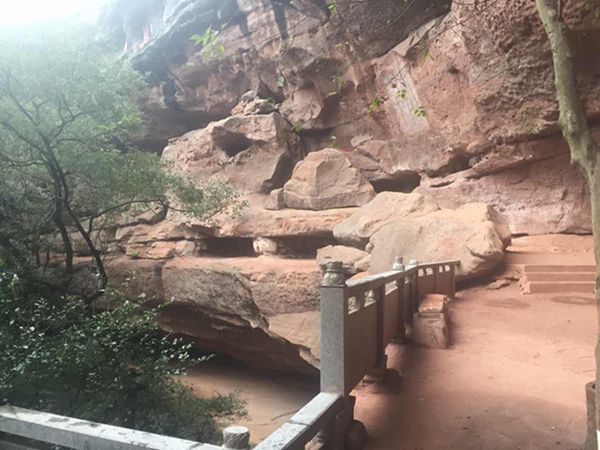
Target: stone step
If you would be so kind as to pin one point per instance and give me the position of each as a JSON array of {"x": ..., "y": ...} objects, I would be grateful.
[
  {"x": 561, "y": 276},
  {"x": 554, "y": 268},
  {"x": 540, "y": 287}
]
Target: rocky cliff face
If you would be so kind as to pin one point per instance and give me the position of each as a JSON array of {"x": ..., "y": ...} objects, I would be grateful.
[{"x": 310, "y": 108}]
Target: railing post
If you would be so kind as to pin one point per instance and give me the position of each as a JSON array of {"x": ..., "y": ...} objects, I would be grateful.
[
  {"x": 414, "y": 288},
  {"x": 334, "y": 351},
  {"x": 381, "y": 359},
  {"x": 402, "y": 301},
  {"x": 333, "y": 330},
  {"x": 452, "y": 281},
  {"x": 236, "y": 438}
]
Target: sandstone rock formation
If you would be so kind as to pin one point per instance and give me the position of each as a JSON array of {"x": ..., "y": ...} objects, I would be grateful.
[
  {"x": 549, "y": 196},
  {"x": 385, "y": 207},
  {"x": 482, "y": 106},
  {"x": 471, "y": 234},
  {"x": 255, "y": 153},
  {"x": 326, "y": 180},
  {"x": 353, "y": 260},
  {"x": 224, "y": 305},
  {"x": 433, "y": 105}
]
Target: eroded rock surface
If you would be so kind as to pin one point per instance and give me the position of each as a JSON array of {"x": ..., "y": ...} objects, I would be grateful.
[
  {"x": 326, "y": 180},
  {"x": 472, "y": 234},
  {"x": 431, "y": 106},
  {"x": 255, "y": 153},
  {"x": 385, "y": 207},
  {"x": 223, "y": 305},
  {"x": 549, "y": 196},
  {"x": 353, "y": 260}
]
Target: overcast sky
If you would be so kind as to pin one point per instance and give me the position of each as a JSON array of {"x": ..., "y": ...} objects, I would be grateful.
[{"x": 16, "y": 12}]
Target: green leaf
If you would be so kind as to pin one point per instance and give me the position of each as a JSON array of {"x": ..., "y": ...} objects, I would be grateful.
[
  {"x": 420, "y": 111},
  {"x": 332, "y": 9}
]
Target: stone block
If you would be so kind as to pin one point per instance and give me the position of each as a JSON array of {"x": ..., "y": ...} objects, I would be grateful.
[
  {"x": 275, "y": 200},
  {"x": 265, "y": 246},
  {"x": 236, "y": 438},
  {"x": 185, "y": 248},
  {"x": 433, "y": 304},
  {"x": 430, "y": 330}
]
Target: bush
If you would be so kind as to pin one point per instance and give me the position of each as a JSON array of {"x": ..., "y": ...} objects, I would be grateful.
[{"x": 113, "y": 366}]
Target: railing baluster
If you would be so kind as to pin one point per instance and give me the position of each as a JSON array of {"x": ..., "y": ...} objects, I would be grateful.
[
  {"x": 236, "y": 438},
  {"x": 414, "y": 288},
  {"x": 400, "y": 286},
  {"x": 333, "y": 330},
  {"x": 380, "y": 305}
]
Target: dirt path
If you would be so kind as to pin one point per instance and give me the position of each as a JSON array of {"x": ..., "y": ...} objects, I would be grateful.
[
  {"x": 271, "y": 398},
  {"x": 513, "y": 379}
]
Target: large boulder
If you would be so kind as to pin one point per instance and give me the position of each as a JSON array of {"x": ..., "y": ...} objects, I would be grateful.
[
  {"x": 392, "y": 165},
  {"x": 386, "y": 206},
  {"x": 326, "y": 180},
  {"x": 472, "y": 234},
  {"x": 277, "y": 287},
  {"x": 548, "y": 196},
  {"x": 353, "y": 260},
  {"x": 219, "y": 306},
  {"x": 256, "y": 221},
  {"x": 255, "y": 153}
]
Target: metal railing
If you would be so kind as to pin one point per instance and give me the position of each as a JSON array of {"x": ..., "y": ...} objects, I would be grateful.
[{"x": 359, "y": 318}]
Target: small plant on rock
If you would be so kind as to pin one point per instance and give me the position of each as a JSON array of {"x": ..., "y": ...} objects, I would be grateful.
[
  {"x": 211, "y": 48},
  {"x": 374, "y": 105}
]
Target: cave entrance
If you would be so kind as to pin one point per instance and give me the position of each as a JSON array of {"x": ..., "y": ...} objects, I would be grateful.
[
  {"x": 231, "y": 143},
  {"x": 229, "y": 247},
  {"x": 405, "y": 184},
  {"x": 303, "y": 247}
]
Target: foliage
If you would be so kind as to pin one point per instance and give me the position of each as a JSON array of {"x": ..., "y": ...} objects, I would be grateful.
[
  {"x": 296, "y": 127},
  {"x": 211, "y": 48},
  {"x": 333, "y": 141},
  {"x": 68, "y": 166},
  {"x": 401, "y": 94},
  {"x": 280, "y": 81},
  {"x": 420, "y": 111},
  {"x": 374, "y": 104},
  {"x": 332, "y": 9},
  {"x": 113, "y": 366}
]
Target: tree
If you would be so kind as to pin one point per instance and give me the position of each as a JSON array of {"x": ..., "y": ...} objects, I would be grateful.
[
  {"x": 585, "y": 151},
  {"x": 67, "y": 163},
  {"x": 114, "y": 366},
  {"x": 68, "y": 170}
]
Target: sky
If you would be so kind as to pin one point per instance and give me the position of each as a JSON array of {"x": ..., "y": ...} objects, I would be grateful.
[{"x": 15, "y": 12}]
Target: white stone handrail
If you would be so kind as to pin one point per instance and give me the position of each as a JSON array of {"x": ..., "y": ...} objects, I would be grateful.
[
  {"x": 305, "y": 424},
  {"x": 82, "y": 434}
]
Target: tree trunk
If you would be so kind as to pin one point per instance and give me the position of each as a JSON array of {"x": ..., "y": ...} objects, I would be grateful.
[
  {"x": 594, "y": 181},
  {"x": 578, "y": 134}
]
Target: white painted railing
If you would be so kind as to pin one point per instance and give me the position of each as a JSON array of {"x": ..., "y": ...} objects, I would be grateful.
[
  {"x": 359, "y": 318},
  {"x": 81, "y": 434}
]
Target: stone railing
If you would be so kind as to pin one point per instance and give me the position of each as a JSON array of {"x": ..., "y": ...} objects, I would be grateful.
[
  {"x": 359, "y": 318},
  {"x": 23, "y": 429}
]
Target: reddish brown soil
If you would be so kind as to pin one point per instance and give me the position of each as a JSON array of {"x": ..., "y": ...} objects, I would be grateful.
[
  {"x": 271, "y": 398},
  {"x": 513, "y": 378}
]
